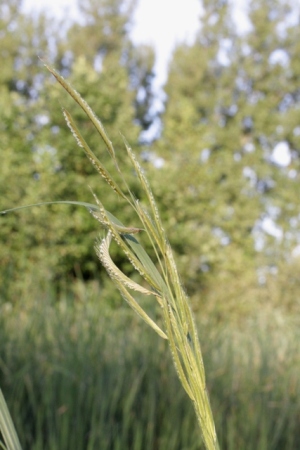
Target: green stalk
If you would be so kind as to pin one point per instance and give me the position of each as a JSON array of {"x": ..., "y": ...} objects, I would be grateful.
[
  {"x": 179, "y": 326},
  {"x": 7, "y": 428}
]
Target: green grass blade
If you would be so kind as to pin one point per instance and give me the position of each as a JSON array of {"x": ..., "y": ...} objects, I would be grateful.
[
  {"x": 7, "y": 427},
  {"x": 66, "y": 202},
  {"x": 137, "y": 308},
  {"x": 146, "y": 261}
]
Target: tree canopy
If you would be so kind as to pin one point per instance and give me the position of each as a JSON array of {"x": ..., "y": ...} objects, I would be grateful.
[{"x": 227, "y": 182}]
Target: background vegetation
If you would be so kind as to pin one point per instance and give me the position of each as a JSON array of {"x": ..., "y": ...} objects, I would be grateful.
[{"x": 77, "y": 369}]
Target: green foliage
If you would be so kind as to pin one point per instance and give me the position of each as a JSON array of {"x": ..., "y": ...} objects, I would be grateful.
[
  {"x": 229, "y": 102},
  {"x": 16, "y": 153},
  {"x": 222, "y": 120},
  {"x": 39, "y": 159}
]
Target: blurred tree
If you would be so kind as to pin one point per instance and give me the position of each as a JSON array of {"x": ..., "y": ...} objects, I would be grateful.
[
  {"x": 105, "y": 26},
  {"x": 204, "y": 190},
  {"x": 141, "y": 64},
  {"x": 99, "y": 64},
  {"x": 19, "y": 39},
  {"x": 223, "y": 195},
  {"x": 229, "y": 203},
  {"x": 45, "y": 163},
  {"x": 269, "y": 103}
]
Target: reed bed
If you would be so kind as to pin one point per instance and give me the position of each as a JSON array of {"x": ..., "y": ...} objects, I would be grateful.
[{"x": 77, "y": 374}]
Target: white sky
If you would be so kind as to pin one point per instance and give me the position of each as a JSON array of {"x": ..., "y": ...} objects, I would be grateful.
[{"x": 162, "y": 23}]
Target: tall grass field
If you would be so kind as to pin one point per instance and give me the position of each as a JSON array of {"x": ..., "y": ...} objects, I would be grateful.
[{"x": 78, "y": 374}]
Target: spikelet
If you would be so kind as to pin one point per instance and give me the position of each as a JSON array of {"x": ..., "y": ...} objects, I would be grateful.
[
  {"x": 149, "y": 273},
  {"x": 122, "y": 282},
  {"x": 147, "y": 189},
  {"x": 90, "y": 154},
  {"x": 86, "y": 108},
  {"x": 114, "y": 272}
]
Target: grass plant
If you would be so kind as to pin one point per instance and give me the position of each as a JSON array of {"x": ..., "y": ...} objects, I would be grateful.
[
  {"x": 160, "y": 279},
  {"x": 163, "y": 285}
]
